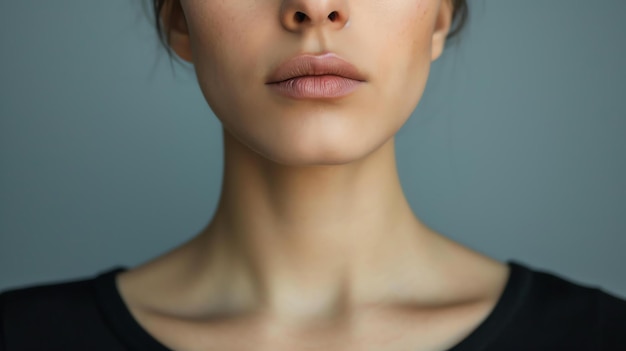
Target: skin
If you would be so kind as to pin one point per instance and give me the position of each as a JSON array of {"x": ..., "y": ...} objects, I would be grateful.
[{"x": 313, "y": 244}]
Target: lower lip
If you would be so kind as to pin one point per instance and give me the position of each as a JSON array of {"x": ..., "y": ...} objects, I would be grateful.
[{"x": 316, "y": 87}]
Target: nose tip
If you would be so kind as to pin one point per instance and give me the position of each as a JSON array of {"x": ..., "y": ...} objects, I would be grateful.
[{"x": 297, "y": 15}]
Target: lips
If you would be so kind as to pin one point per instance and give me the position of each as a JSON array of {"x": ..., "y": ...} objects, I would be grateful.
[{"x": 316, "y": 77}]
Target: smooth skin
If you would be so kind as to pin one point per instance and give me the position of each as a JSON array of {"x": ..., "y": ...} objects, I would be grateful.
[{"x": 313, "y": 245}]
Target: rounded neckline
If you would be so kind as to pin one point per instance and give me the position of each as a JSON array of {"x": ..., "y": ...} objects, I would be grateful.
[
  {"x": 122, "y": 323},
  {"x": 118, "y": 316}
]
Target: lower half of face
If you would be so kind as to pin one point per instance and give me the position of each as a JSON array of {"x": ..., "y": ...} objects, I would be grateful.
[{"x": 237, "y": 44}]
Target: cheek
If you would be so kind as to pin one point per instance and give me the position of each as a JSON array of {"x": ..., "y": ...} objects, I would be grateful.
[
  {"x": 230, "y": 63},
  {"x": 225, "y": 54},
  {"x": 405, "y": 46}
]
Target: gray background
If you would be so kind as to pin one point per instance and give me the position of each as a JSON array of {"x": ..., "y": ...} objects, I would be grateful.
[{"x": 517, "y": 150}]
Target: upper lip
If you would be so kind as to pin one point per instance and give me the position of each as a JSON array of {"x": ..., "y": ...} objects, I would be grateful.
[{"x": 315, "y": 65}]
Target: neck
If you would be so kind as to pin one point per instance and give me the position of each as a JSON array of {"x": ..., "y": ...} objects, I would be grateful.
[{"x": 314, "y": 239}]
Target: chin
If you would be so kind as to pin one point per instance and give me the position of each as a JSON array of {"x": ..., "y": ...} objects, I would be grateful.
[
  {"x": 297, "y": 149},
  {"x": 310, "y": 133}
]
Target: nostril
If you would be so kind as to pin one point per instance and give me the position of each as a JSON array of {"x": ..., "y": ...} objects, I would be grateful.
[
  {"x": 333, "y": 15},
  {"x": 299, "y": 17}
]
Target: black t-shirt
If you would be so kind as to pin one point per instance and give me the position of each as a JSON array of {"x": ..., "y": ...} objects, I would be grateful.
[{"x": 536, "y": 311}]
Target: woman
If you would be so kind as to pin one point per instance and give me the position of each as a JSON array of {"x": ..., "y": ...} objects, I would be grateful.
[{"x": 313, "y": 244}]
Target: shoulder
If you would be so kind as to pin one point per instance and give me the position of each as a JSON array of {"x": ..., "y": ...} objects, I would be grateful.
[
  {"x": 559, "y": 311},
  {"x": 59, "y": 315},
  {"x": 548, "y": 291},
  {"x": 45, "y": 297}
]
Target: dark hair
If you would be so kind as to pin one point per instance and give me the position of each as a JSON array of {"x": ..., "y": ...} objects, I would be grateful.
[{"x": 459, "y": 17}]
